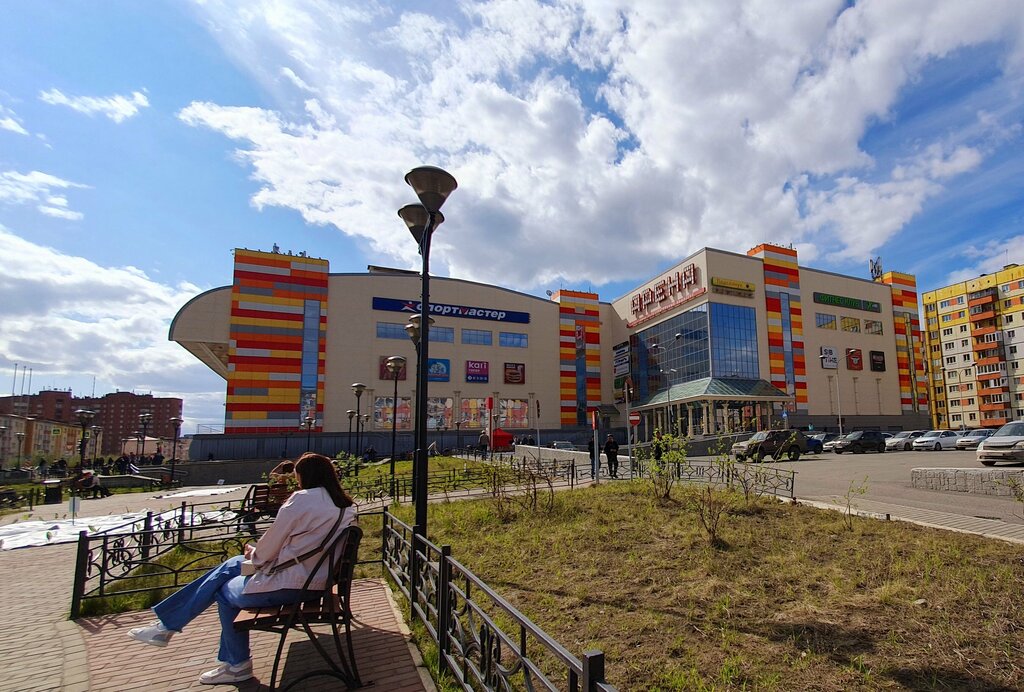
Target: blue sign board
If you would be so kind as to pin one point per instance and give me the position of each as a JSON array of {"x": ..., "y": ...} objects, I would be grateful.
[
  {"x": 472, "y": 312},
  {"x": 438, "y": 369}
]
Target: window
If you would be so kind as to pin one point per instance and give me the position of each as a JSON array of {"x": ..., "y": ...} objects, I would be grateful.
[
  {"x": 960, "y": 301},
  {"x": 1011, "y": 333},
  {"x": 948, "y": 331},
  {"x": 929, "y": 307},
  {"x": 948, "y": 345},
  {"x": 850, "y": 324},
  {"x": 936, "y": 348},
  {"x": 1013, "y": 349},
  {"x": 480, "y": 337},
  {"x": 872, "y": 326},
  {"x": 966, "y": 358},
  {"x": 1005, "y": 288},
  {"x": 970, "y": 402},
  {"x": 937, "y": 362},
  {"x": 951, "y": 360},
  {"x": 825, "y": 321},
  {"x": 944, "y": 304},
  {"x": 932, "y": 321},
  {"x": 1008, "y": 319},
  {"x": 512, "y": 340},
  {"x": 442, "y": 334},
  {"x": 965, "y": 342},
  {"x": 963, "y": 328},
  {"x": 391, "y": 330},
  {"x": 955, "y": 417}
]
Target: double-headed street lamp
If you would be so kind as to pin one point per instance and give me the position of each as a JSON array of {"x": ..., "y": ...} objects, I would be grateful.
[
  {"x": 85, "y": 417},
  {"x": 413, "y": 330},
  {"x": 176, "y": 424},
  {"x": 432, "y": 186},
  {"x": 358, "y": 388},
  {"x": 144, "y": 420},
  {"x": 96, "y": 429},
  {"x": 395, "y": 365}
]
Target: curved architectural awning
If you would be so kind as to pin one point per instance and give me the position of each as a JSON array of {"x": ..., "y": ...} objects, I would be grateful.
[{"x": 715, "y": 389}]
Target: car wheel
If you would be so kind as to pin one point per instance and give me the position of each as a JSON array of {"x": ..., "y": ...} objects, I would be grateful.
[
  {"x": 987, "y": 462},
  {"x": 760, "y": 456},
  {"x": 837, "y": 450},
  {"x": 794, "y": 453},
  {"x": 937, "y": 447},
  {"x": 740, "y": 457},
  {"x": 881, "y": 448},
  {"x": 858, "y": 450},
  {"x": 907, "y": 447}
]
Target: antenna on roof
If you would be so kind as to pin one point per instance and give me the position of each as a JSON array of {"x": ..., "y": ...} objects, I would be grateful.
[{"x": 876, "y": 268}]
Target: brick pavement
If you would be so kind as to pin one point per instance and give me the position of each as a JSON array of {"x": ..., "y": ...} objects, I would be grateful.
[{"x": 42, "y": 650}]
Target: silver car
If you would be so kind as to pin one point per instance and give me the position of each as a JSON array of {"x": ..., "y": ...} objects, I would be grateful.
[
  {"x": 972, "y": 438},
  {"x": 903, "y": 440},
  {"x": 1005, "y": 444},
  {"x": 936, "y": 440}
]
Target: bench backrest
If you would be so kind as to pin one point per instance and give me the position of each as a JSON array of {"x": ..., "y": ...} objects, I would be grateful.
[{"x": 340, "y": 558}]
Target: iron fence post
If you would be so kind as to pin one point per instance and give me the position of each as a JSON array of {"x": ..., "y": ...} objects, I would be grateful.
[
  {"x": 412, "y": 572},
  {"x": 181, "y": 524},
  {"x": 81, "y": 565},
  {"x": 444, "y": 574},
  {"x": 593, "y": 669},
  {"x": 147, "y": 535}
]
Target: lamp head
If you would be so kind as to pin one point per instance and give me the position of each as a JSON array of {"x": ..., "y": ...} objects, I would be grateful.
[
  {"x": 85, "y": 416},
  {"x": 417, "y": 218},
  {"x": 413, "y": 328},
  {"x": 395, "y": 364},
  {"x": 176, "y": 421},
  {"x": 432, "y": 185},
  {"x": 358, "y": 388},
  {"x": 350, "y": 413},
  {"x": 145, "y": 418}
]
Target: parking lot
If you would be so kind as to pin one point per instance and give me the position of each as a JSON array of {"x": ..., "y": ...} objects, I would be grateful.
[{"x": 827, "y": 477}]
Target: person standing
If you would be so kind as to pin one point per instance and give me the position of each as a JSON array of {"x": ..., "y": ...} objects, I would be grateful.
[
  {"x": 611, "y": 451},
  {"x": 659, "y": 445},
  {"x": 484, "y": 442}
]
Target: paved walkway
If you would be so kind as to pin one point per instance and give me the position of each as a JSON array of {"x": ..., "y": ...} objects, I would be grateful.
[{"x": 42, "y": 650}]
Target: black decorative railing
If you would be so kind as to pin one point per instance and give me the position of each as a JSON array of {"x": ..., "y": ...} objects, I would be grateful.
[{"x": 484, "y": 642}]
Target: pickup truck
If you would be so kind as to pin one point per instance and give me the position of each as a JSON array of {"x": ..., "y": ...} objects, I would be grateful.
[{"x": 772, "y": 443}]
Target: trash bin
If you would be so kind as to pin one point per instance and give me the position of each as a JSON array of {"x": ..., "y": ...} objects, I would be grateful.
[{"x": 52, "y": 493}]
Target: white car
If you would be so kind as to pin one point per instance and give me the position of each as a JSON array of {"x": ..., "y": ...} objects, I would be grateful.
[
  {"x": 972, "y": 438},
  {"x": 903, "y": 440},
  {"x": 1005, "y": 444},
  {"x": 936, "y": 440}
]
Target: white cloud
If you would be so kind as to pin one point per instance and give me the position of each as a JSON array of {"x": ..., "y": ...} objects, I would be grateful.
[
  {"x": 597, "y": 140},
  {"x": 9, "y": 121},
  {"x": 38, "y": 188},
  {"x": 117, "y": 107},
  {"x": 107, "y": 322},
  {"x": 989, "y": 258}
]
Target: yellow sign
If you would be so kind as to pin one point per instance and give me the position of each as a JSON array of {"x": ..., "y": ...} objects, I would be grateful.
[{"x": 732, "y": 284}]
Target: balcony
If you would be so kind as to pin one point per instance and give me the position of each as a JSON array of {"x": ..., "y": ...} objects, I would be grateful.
[
  {"x": 982, "y": 376},
  {"x": 989, "y": 391},
  {"x": 983, "y": 330},
  {"x": 987, "y": 314},
  {"x": 980, "y": 300},
  {"x": 990, "y": 360},
  {"x": 997, "y": 406}
]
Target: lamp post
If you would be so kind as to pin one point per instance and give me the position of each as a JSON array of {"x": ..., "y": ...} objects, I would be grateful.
[
  {"x": 413, "y": 330},
  {"x": 358, "y": 388},
  {"x": 839, "y": 396},
  {"x": 307, "y": 423},
  {"x": 432, "y": 186},
  {"x": 351, "y": 414},
  {"x": 458, "y": 434},
  {"x": 21, "y": 440},
  {"x": 85, "y": 417},
  {"x": 176, "y": 423},
  {"x": 144, "y": 420},
  {"x": 3, "y": 446},
  {"x": 96, "y": 429},
  {"x": 395, "y": 366}
]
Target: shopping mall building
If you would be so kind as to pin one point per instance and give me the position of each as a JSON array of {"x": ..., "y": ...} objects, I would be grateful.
[{"x": 722, "y": 341}]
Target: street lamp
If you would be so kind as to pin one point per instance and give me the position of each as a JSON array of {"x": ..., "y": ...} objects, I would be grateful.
[
  {"x": 358, "y": 388},
  {"x": 307, "y": 423},
  {"x": 95, "y": 440},
  {"x": 21, "y": 440},
  {"x": 432, "y": 186},
  {"x": 176, "y": 423},
  {"x": 351, "y": 414},
  {"x": 395, "y": 366},
  {"x": 85, "y": 417},
  {"x": 3, "y": 446},
  {"x": 144, "y": 420}
]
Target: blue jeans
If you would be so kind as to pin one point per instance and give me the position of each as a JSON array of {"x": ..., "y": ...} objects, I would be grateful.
[{"x": 224, "y": 585}]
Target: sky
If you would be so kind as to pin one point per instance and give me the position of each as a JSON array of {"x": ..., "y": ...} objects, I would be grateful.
[{"x": 596, "y": 143}]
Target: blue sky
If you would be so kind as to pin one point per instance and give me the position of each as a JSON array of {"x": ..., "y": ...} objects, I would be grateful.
[{"x": 595, "y": 144}]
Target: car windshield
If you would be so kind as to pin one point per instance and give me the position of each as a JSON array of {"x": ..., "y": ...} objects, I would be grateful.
[
  {"x": 1010, "y": 430},
  {"x": 933, "y": 433},
  {"x": 854, "y": 435},
  {"x": 979, "y": 433},
  {"x": 901, "y": 435}
]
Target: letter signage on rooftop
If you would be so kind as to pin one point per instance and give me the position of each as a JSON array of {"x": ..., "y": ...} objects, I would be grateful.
[
  {"x": 847, "y": 302},
  {"x": 671, "y": 287},
  {"x": 447, "y": 310}
]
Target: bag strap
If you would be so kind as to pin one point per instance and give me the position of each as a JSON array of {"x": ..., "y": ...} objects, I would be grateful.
[{"x": 315, "y": 551}]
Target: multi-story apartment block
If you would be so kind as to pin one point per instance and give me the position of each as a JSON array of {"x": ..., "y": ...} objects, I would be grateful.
[{"x": 974, "y": 337}]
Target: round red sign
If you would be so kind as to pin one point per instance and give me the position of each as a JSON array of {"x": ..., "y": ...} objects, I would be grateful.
[{"x": 634, "y": 418}]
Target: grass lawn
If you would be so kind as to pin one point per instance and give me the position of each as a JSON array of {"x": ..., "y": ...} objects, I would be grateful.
[{"x": 791, "y": 598}]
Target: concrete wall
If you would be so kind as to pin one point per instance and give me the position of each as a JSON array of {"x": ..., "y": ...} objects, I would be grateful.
[{"x": 978, "y": 481}]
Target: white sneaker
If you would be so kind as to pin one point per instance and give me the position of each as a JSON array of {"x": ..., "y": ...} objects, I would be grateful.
[
  {"x": 155, "y": 635},
  {"x": 226, "y": 673}
]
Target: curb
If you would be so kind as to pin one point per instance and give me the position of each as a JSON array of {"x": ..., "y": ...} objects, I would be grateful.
[
  {"x": 75, "y": 674},
  {"x": 421, "y": 668}
]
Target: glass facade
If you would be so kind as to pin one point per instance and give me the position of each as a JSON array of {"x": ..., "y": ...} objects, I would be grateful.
[
  {"x": 711, "y": 340},
  {"x": 480, "y": 337},
  {"x": 513, "y": 340}
]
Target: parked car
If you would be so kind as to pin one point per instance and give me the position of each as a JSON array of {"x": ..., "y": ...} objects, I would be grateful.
[
  {"x": 936, "y": 440},
  {"x": 1005, "y": 444},
  {"x": 563, "y": 444},
  {"x": 860, "y": 441},
  {"x": 820, "y": 440},
  {"x": 830, "y": 445},
  {"x": 903, "y": 440},
  {"x": 774, "y": 443},
  {"x": 972, "y": 438}
]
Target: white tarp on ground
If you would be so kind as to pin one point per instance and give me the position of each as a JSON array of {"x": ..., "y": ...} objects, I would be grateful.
[
  {"x": 41, "y": 532},
  {"x": 203, "y": 492}
]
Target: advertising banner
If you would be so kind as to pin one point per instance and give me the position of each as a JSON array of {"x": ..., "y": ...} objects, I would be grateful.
[
  {"x": 620, "y": 359},
  {"x": 477, "y": 371},
  {"x": 515, "y": 373},
  {"x": 447, "y": 310},
  {"x": 854, "y": 359},
  {"x": 439, "y": 370},
  {"x": 830, "y": 359},
  {"x": 877, "y": 361}
]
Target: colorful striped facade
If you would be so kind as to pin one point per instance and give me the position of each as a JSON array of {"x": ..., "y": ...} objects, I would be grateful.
[
  {"x": 785, "y": 321},
  {"x": 909, "y": 349},
  {"x": 579, "y": 334},
  {"x": 277, "y": 347}
]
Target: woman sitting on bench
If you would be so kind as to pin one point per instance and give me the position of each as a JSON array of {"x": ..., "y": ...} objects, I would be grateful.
[{"x": 311, "y": 518}]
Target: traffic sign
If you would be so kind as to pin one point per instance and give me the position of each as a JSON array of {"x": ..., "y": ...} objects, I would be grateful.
[{"x": 634, "y": 419}]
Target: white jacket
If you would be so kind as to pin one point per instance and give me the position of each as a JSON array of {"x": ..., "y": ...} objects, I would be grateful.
[{"x": 301, "y": 524}]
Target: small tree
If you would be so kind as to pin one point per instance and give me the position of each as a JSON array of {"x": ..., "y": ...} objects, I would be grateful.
[
  {"x": 663, "y": 471},
  {"x": 854, "y": 490}
]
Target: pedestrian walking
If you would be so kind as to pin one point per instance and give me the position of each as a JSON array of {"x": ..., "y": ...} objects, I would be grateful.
[{"x": 611, "y": 451}]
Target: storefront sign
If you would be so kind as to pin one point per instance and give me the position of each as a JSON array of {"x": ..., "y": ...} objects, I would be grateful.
[
  {"x": 830, "y": 359},
  {"x": 673, "y": 286},
  {"x": 854, "y": 359},
  {"x": 877, "y": 361},
  {"x": 620, "y": 359},
  {"x": 477, "y": 371},
  {"x": 448, "y": 310},
  {"x": 847, "y": 302},
  {"x": 438, "y": 369},
  {"x": 732, "y": 284},
  {"x": 385, "y": 374},
  {"x": 515, "y": 373}
]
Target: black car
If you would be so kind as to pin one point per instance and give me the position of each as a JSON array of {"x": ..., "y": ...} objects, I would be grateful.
[{"x": 861, "y": 441}]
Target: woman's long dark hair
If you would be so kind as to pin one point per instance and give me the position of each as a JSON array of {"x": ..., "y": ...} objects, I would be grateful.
[{"x": 317, "y": 471}]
